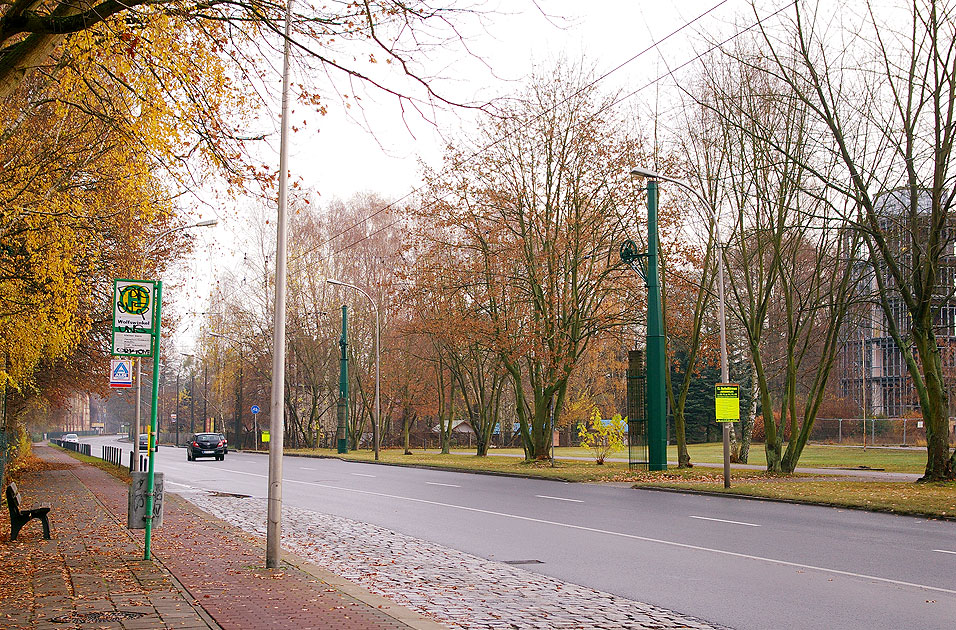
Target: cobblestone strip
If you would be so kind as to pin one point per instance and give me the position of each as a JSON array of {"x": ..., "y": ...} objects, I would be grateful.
[{"x": 462, "y": 591}]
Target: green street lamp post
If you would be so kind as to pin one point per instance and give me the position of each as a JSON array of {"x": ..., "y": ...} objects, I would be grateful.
[
  {"x": 652, "y": 179},
  {"x": 656, "y": 360},
  {"x": 342, "y": 431},
  {"x": 377, "y": 419}
]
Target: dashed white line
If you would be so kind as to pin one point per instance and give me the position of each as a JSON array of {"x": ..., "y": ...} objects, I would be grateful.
[
  {"x": 595, "y": 530},
  {"x": 361, "y": 475},
  {"x": 304, "y": 468},
  {"x": 544, "y": 496},
  {"x": 945, "y": 551},
  {"x": 721, "y": 520},
  {"x": 448, "y": 485}
]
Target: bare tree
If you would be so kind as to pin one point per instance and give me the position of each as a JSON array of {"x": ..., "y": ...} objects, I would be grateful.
[
  {"x": 534, "y": 220},
  {"x": 884, "y": 100},
  {"x": 792, "y": 275}
]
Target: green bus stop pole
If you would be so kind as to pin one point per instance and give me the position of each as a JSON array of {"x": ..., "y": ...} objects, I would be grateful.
[
  {"x": 656, "y": 361},
  {"x": 153, "y": 422}
]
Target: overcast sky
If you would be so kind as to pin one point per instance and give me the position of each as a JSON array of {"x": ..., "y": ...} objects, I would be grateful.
[{"x": 338, "y": 157}]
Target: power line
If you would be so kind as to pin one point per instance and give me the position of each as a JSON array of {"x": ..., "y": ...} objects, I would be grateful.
[
  {"x": 501, "y": 139},
  {"x": 618, "y": 101}
]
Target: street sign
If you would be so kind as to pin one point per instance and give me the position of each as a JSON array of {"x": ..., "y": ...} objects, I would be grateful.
[
  {"x": 121, "y": 373},
  {"x": 727, "y": 402},
  {"x": 133, "y": 317},
  {"x": 265, "y": 437},
  {"x": 172, "y": 417},
  {"x": 255, "y": 409}
]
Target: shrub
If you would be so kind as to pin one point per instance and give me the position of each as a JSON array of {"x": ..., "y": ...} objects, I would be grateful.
[{"x": 602, "y": 437}]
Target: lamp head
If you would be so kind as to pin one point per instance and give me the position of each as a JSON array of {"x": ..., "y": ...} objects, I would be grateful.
[
  {"x": 334, "y": 281},
  {"x": 207, "y": 223},
  {"x": 646, "y": 173}
]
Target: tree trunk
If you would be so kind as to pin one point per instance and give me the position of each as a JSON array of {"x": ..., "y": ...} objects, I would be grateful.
[
  {"x": 747, "y": 424},
  {"x": 939, "y": 462}
]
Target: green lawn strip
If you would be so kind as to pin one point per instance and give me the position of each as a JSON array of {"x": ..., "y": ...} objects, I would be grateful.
[
  {"x": 565, "y": 470},
  {"x": 821, "y": 456},
  {"x": 814, "y": 456},
  {"x": 935, "y": 499},
  {"x": 120, "y": 472},
  {"x": 932, "y": 499}
]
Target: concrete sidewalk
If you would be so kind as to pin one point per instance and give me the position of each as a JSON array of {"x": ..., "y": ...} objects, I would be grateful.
[{"x": 205, "y": 573}]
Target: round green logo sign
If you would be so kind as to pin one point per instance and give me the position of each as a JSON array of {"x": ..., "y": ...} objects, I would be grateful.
[{"x": 134, "y": 299}]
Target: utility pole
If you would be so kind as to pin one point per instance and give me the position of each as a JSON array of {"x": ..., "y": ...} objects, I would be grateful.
[
  {"x": 205, "y": 394},
  {"x": 277, "y": 401},
  {"x": 239, "y": 404},
  {"x": 178, "y": 373},
  {"x": 192, "y": 401}
]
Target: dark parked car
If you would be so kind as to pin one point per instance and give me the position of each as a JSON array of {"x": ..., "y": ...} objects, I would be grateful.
[
  {"x": 143, "y": 442},
  {"x": 206, "y": 445}
]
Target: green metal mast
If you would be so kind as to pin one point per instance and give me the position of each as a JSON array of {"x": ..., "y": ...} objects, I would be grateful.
[
  {"x": 342, "y": 434},
  {"x": 656, "y": 361}
]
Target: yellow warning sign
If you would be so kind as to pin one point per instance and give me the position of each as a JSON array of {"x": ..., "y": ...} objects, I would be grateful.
[
  {"x": 727, "y": 399},
  {"x": 265, "y": 436}
]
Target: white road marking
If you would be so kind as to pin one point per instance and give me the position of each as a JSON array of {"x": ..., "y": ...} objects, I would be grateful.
[
  {"x": 595, "y": 530},
  {"x": 720, "y": 520},
  {"x": 362, "y": 475},
  {"x": 944, "y": 551},
  {"x": 304, "y": 468},
  {"x": 435, "y": 483},
  {"x": 544, "y": 496}
]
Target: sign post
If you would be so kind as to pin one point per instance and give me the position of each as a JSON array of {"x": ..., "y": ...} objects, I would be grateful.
[
  {"x": 727, "y": 407},
  {"x": 255, "y": 424},
  {"x": 153, "y": 423},
  {"x": 136, "y": 333}
]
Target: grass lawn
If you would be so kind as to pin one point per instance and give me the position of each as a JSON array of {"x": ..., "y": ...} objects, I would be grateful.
[
  {"x": 931, "y": 499},
  {"x": 814, "y": 456},
  {"x": 937, "y": 499},
  {"x": 821, "y": 456}
]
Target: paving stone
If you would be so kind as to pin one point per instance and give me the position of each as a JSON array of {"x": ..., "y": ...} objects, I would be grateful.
[{"x": 462, "y": 591}]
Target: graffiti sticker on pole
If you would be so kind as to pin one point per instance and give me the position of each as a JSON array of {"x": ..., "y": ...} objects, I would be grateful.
[
  {"x": 133, "y": 323},
  {"x": 727, "y": 399}
]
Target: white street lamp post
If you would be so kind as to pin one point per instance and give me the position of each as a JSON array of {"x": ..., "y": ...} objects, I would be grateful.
[
  {"x": 277, "y": 402},
  {"x": 378, "y": 408},
  {"x": 139, "y": 363}
]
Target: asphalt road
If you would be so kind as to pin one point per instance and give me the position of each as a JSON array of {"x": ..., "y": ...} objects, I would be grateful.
[{"x": 745, "y": 564}]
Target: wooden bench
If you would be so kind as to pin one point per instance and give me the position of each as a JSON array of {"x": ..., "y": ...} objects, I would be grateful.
[{"x": 20, "y": 517}]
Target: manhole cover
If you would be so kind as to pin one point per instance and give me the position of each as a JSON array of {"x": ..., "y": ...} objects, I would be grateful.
[
  {"x": 229, "y": 494},
  {"x": 523, "y": 562},
  {"x": 96, "y": 617}
]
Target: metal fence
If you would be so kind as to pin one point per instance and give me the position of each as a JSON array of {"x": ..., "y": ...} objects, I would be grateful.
[
  {"x": 110, "y": 454},
  {"x": 78, "y": 447},
  {"x": 877, "y": 431}
]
